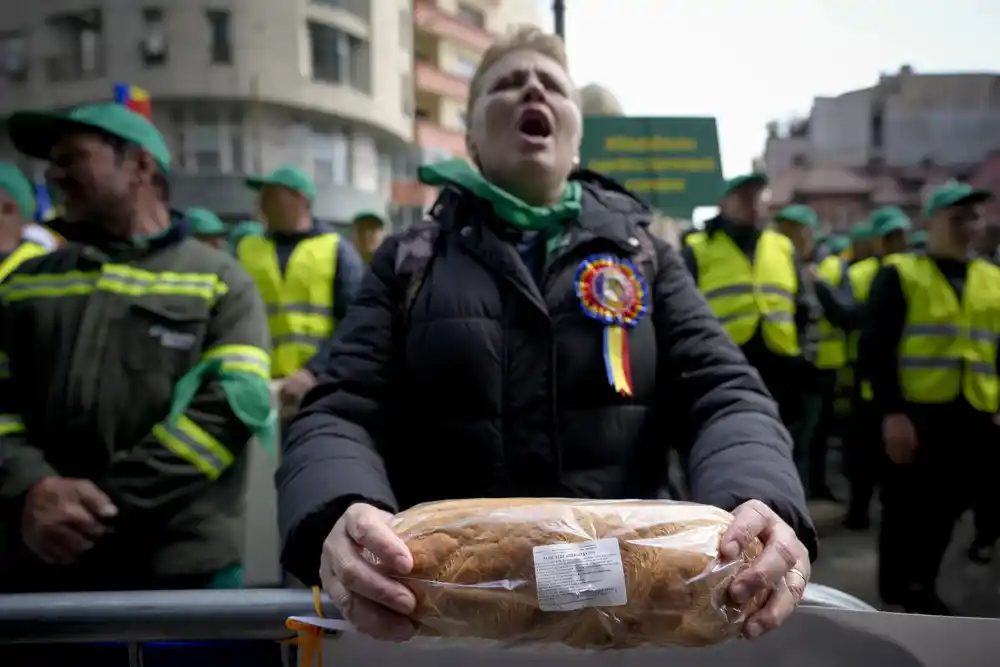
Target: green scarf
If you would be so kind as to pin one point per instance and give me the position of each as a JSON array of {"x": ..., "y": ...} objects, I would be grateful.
[
  {"x": 550, "y": 221},
  {"x": 249, "y": 398}
]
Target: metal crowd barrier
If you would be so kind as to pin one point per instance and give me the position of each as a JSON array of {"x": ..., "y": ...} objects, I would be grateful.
[{"x": 140, "y": 617}]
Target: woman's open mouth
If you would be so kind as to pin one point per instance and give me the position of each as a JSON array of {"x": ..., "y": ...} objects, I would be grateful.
[{"x": 534, "y": 124}]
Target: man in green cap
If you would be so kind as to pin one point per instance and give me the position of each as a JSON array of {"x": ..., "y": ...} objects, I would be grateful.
[
  {"x": 918, "y": 241},
  {"x": 307, "y": 275},
  {"x": 833, "y": 310},
  {"x": 17, "y": 208},
  {"x": 929, "y": 346},
  {"x": 367, "y": 233},
  {"x": 753, "y": 282},
  {"x": 241, "y": 229},
  {"x": 136, "y": 363},
  {"x": 861, "y": 242},
  {"x": 208, "y": 228},
  {"x": 889, "y": 229}
]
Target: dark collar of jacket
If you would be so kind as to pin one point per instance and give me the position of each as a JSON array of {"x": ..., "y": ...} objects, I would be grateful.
[
  {"x": 293, "y": 238},
  {"x": 720, "y": 223},
  {"x": 609, "y": 212},
  {"x": 123, "y": 249}
]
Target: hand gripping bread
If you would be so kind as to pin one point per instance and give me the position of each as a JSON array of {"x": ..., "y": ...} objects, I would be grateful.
[{"x": 586, "y": 574}]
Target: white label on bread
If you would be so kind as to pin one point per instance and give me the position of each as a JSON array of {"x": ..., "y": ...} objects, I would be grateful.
[{"x": 579, "y": 574}]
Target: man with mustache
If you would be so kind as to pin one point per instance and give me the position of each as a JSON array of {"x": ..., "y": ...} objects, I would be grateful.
[{"x": 134, "y": 372}]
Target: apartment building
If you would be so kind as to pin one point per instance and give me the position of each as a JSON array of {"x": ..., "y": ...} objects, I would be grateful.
[
  {"x": 238, "y": 86},
  {"x": 886, "y": 144},
  {"x": 448, "y": 40}
]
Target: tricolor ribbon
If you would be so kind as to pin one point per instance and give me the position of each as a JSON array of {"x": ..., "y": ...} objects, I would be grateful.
[
  {"x": 612, "y": 291},
  {"x": 616, "y": 359}
]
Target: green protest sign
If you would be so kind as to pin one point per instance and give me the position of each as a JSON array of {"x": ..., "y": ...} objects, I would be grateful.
[{"x": 671, "y": 163}]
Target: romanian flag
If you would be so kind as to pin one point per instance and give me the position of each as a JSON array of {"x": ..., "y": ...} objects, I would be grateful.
[
  {"x": 135, "y": 98},
  {"x": 44, "y": 210}
]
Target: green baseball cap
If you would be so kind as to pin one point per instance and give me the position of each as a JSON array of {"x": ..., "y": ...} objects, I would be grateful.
[
  {"x": 16, "y": 184},
  {"x": 34, "y": 133},
  {"x": 838, "y": 244},
  {"x": 368, "y": 215},
  {"x": 286, "y": 176},
  {"x": 918, "y": 239},
  {"x": 759, "y": 180},
  {"x": 205, "y": 223},
  {"x": 953, "y": 194},
  {"x": 800, "y": 214},
  {"x": 861, "y": 231},
  {"x": 888, "y": 219}
]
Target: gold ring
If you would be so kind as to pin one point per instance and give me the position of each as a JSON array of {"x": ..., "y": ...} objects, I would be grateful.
[{"x": 799, "y": 572}]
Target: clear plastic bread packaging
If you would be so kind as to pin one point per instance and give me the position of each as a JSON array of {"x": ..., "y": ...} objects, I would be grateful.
[{"x": 585, "y": 574}]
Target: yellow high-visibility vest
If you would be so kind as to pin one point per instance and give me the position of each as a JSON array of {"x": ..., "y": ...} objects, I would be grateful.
[
  {"x": 300, "y": 302},
  {"x": 949, "y": 348},
  {"x": 745, "y": 296},
  {"x": 832, "y": 350},
  {"x": 21, "y": 254}
]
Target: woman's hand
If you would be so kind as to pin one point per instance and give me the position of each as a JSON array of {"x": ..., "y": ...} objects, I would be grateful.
[
  {"x": 366, "y": 595},
  {"x": 783, "y": 567}
]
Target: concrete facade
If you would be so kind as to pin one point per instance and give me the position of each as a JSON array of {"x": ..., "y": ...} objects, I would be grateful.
[
  {"x": 888, "y": 144},
  {"x": 238, "y": 86}
]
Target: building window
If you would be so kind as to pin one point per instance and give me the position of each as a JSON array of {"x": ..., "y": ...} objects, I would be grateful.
[
  {"x": 471, "y": 15},
  {"x": 406, "y": 29},
  {"x": 407, "y": 94},
  {"x": 339, "y": 58},
  {"x": 330, "y": 161},
  {"x": 385, "y": 175},
  {"x": 13, "y": 57},
  {"x": 221, "y": 39},
  {"x": 206, "y": 145},
  {"x": 877, "y": 128},
  {"x": 153, "y": 47},
  {"x": 364, "y": 163},
  {"x": 360, "y": 8},
  {"x": 464, "y": 68},
  {"x": 213, "y": 142},
  {"x": 78, "y": 39}
]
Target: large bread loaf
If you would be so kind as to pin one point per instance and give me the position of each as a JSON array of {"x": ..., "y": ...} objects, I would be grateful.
[{"x": 587, "y": 574}]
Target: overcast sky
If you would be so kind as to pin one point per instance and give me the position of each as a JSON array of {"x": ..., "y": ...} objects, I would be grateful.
[{"x": 750, "y": 62}]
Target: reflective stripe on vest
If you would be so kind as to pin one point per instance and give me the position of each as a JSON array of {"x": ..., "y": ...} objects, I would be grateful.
[
  {"x": 832, "y": 350},
  {"x": 949, "y": 348},
  {"x": 21, "y": 254},
  {"x": 744, "y": 297},
  {"x": 300, "y": 302}
]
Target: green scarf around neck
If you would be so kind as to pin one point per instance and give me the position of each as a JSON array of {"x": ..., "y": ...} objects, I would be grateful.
[{"x": 549, "y": 220}]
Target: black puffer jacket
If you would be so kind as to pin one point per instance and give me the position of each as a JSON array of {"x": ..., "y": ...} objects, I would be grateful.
[{"x": 493, "y": 386}]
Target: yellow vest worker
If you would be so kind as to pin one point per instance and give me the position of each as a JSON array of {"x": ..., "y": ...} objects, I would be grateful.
[
  {"x": 299, "y": 299},
  {"x": 949, "y": 348},
  {"x": 305, "y": 272},
  {"x": 746, "y": 297},
  {"x": 884, "y": 222},
  {"x": 832, "y": 351},
  {"x": 17, "y": 208}
]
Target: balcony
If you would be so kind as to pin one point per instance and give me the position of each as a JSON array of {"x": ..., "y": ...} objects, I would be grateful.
[
  {"x": 430, "y": 79},
  {"x": 432, "y": 135},
  {"x": 431, "y": 19}
]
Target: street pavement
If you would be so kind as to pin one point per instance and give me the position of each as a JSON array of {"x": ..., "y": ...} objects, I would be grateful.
[{"x": 847, "y": 561}]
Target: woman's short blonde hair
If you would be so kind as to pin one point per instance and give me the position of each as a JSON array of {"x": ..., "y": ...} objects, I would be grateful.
[{"x": 521, "y": 38}]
